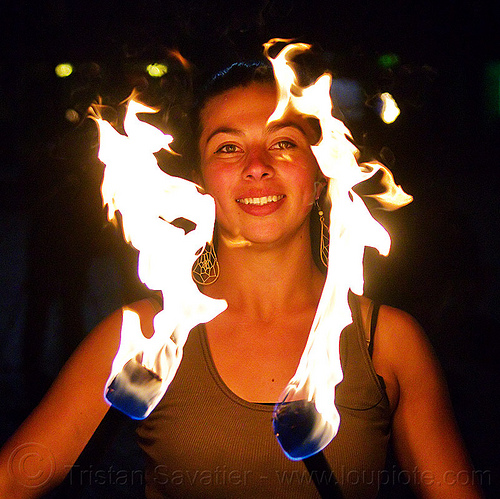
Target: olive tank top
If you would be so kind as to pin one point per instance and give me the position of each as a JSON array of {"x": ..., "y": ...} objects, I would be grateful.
[{"x": 203, "y": 441}]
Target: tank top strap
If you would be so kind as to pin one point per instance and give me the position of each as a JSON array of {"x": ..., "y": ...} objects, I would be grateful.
[{"x": 372, "y": 325}]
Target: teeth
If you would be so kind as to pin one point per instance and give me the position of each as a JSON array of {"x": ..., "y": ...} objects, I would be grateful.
[{"x": 260, "y": 201}]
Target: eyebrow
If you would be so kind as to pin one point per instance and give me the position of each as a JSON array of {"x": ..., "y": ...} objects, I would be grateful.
[
  {"x": 223, "y": 129},
  {"x": 277, "y": 125}
]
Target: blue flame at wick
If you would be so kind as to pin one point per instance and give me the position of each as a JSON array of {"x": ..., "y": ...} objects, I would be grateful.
[
  {"x": 133, "y": 389},
  {"x": 300, "y": 429}
]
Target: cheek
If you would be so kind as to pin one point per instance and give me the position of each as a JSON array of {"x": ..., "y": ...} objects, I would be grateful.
[
  {"x": 214, "y": 182},
  {"x": 207, "y": 177},
  {"x": 309, "y": 180}
]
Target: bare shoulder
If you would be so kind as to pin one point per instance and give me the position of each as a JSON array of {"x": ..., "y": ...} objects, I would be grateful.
[
  {"x": 402, "y": 353},
  {"x": 99, "y": 348},
  {"x": 110, "y": 327},
  {"x": 402, "y": 343},
  {"x": 92, "y": 360},
  {"x": 74, "y": 406},
  {"x": 425, "y": 434},
  {"x": 394, "y": 326}
]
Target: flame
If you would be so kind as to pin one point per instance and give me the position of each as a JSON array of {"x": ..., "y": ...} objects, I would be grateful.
[
  {"x": 177, "y": 55},
  {"x": 307, "y": 401},
  {"x": 149, "y": 201},
  {"x": 389, "y": 111}
]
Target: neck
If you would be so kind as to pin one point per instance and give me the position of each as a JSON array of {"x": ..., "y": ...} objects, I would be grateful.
[{"x": 260, "y": 280}]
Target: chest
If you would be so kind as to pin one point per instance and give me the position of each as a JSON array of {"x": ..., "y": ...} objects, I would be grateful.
[
  {"x": 204, "y": 441},
  {"x": 256, "y": 359}
]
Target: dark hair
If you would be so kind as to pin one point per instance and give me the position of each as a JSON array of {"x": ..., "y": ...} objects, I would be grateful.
[{"x": 239, "y": 74}]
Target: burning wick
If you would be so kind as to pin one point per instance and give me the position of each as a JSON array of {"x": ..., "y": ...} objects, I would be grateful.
[
  {"x": 150, "y": 201},
  {"x": 300, "y": 429},
  {"x": 305, "y": 419}
]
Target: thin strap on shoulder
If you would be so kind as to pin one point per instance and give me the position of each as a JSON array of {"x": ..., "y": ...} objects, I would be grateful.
[{"x": 373, "y": 316}]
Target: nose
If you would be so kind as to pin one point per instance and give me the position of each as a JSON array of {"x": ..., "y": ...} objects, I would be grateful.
[{"x": 257, "y": 166}]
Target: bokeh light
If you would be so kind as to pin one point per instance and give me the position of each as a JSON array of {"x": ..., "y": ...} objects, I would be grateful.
[
  {"x": 388, "y": 60},
  {"x": 64, "y": 69},
  {"x": 389, "y": 110},
  {"x": 72, "y": 116},
  {"x": 493, "y": 88},
  {"x": 156, "y": 70}
]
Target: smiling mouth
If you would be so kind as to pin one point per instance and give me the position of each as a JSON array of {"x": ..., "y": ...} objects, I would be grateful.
[{"x": 260, "y": 201}]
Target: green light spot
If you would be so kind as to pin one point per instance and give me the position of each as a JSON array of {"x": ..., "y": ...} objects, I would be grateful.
[{"x": 388, "y": 60}]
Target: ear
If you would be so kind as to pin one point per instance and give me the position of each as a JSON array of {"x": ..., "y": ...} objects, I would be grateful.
[{"x": 319, "y": 185}]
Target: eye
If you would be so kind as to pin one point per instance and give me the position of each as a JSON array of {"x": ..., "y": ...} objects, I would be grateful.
[
  {"x": 227, "y": 149},
  {"x": 284, "y": 144}
]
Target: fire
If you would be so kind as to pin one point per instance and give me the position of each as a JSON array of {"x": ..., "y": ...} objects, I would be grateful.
[
  {"x": 149, "y": 201},
  {"x": 308, "y": 400},
  {"x": 305, "y": 419}
]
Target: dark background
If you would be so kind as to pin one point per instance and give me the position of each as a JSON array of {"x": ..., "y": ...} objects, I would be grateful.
[{"x": 64, "y": 269}]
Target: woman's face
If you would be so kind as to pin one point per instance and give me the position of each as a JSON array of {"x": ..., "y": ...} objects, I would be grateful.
[{"x": 264, "y": 177}]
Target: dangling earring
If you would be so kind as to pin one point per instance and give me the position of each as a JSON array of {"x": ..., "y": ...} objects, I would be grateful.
[
  {"x": 206, "y": 268},
  {"x": 324, "y": 237}
]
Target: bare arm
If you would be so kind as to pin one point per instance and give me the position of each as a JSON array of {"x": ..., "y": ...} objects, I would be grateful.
[
  {"x": 426, "y": 438},
  {"x": 40, "y": 454}
]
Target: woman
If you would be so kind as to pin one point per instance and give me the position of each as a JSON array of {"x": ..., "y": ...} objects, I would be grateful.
[{"x": 211, "y": 435}]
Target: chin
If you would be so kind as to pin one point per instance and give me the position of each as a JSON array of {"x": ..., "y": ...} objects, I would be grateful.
[{"x": 246, "y": 239}]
